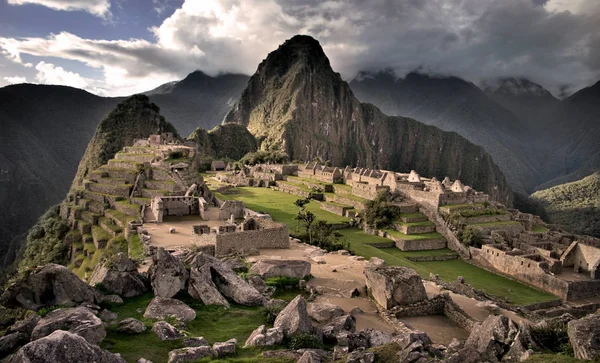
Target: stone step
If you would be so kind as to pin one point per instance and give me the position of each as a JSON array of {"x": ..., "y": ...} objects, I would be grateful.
[
  {"x": 137, "y": 157},
  {"x": 118, "y": 190},
  {"x": 119, "y": 173},
  {"x": 151, "y": 193},
  {"x": 139, "y": 150},
  {"x": 98, "y": 197},
  {"x": 141, "y": 201},
  {"x": 124, "y": 164},
  {"x": 84, "y": 227},
  {"x": 83, "y": 203},
  {"x": 109, "y": 226},
  {"x": 98, "y": 174},
  {"x": 120, "y": 219},
  {"x": 161, "y": 174},
  {"x": 168, "y": 185},
  {"x": 412, "y": 217},
  {"x": 127, "y": 208},
  {"x": 100, "y": 237},
  {"x": 415, "y": 228},
  {"x": 510, "y": 227},
  {"x": 95, "y": 207},
  {"x": 113, "y": 181},
  {"x": 90, "y": 217}
]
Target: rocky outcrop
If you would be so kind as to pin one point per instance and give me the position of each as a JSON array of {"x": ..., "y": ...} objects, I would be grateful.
[
  {"x": 165, "y": 331},
  {"x": 295, "y": 89},
  {"x": 80, "y": 321},
  {"x": 262, "y": 337},
  {"x": 257, "y": 283},
  {"x": 11, "y": 341},
  {"x": 161, "y": 308},
  {"x": 201, "y": 287},
  {"x": 190, "y": 354},
  {"x": 294, "y": 318},
  {"x": 492, "y": 338},
  {"x": 63, "y": 346},
  {"x": 195, "y": 342},
  {"x": 395, "y": 285},
  {"x": 223, "y": 349},
  {"x": 584, "y": 335},
  {"x": 209, "y": 272},
  {"x": 287, "y": 268},
  {"x": 168, "y": 275},
  {"x": 46, "y": 286},
  {"x": 119, "y": 275},
  {"x": 324, "y": 312},
  {"x": 131, "y": 326},
  {"x": 345, "y": 323}
]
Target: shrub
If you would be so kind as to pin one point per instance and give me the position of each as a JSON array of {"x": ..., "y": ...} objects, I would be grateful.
[
  {"x": 305, "y": 341},
  {"x": 552, "y": 337},
  {"x": 379, "y": 213},
  {"x": 272, "y": 310},
  {"x": 47, "y": 310},
  {"x": 282, "y": 282},
  {"x": 470, "y": 237}
]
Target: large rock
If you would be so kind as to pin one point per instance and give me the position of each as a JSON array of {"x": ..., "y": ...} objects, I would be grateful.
[
  {"x": 26, "y": 325},
  {"x": 119, "y": 275},
  {"x": 168, "y": 275},
  {"x": 338, "y": 325},
  {"x": 274, "y": 268},
  {"x": 257, "y": 283},
  {"x": 226, "y": 281},
  {"x": 131, "y": 326},
  {"x": 46, "y": 286},
  {"x": 324, "y": 312},
  {"x": 222, "y": 349},
  {"x": 80, "y": 321},
  {"x": 63, "y": 347},
  {"x": 161, "y": 308},
  {"x": 201, "y": 287},
  {"x": 190, "y": 354},
  {"x": 294, "y": 318},
  {"x": 10, "y": 342},
  {"x": 265, "y": 337},
  {"x": 584, "y": 335},
  {"x": 395, "y": 285},
  {"x": 165, "y": 331},
  {"x": 494, "y": 337}
]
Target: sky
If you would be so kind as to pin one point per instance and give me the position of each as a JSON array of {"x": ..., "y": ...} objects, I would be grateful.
[{"x": 122, "y": 47}]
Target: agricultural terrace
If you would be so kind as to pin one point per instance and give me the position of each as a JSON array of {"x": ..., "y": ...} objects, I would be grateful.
[{"x": 282, "y": 209}]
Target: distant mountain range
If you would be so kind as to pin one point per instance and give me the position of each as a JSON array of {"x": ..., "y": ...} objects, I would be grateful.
[{"x": 537, "y": 140}]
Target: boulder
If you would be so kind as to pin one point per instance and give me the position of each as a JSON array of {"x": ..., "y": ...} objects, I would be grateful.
[
  {"x": 337, "y": 325},
  {"x": 26, "y": 325},
  {"x": 465, "y": 355},
  {"x": 227, "y": 282},
  {"x": 493, "y": 337},
  {"x": 294, "y": 318},
  {"x": 47, "y": 286},
  {"x": 168, "y": 275},
  {"x": 131, "y": 326},
  {"x": 165, "y": 331},
  {"x": 119, "y": 275},
  {"x": 584, "y": 335},
  {"x": 190, "y": 354},
  {"x": 352, "y": 340},
  {"x": 195, "y": 342},
  {"x": 360, "y": 356},
  {"x": 80, "y": 321},
  {"x": 312, "y": 356},
  {"x": 257, "y": 283},
  {"x": 202, "y": 288},
  {"x": 63, "y": 346},
  {"x": 377, "y": 338},
  {"x": 395, "y": 285},
  {"x": 265, "y": 337},
  {"x": 275, "y": 268},
  {"x": 160, "y": 308},
  {"x": 323, "y": 312},
  {"x": 108, "y": 316},
  {"x": 10, "y": 342},
  {"x": 375, "y": 262},
  {"x": 224, "y": 349}
]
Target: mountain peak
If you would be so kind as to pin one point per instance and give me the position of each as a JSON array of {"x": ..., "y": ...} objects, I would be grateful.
[
  {"x": 300, "y": 49},
  {"x": 516, "y": 86}
]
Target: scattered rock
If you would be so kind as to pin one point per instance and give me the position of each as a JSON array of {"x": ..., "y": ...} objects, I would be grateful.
[
  {"x": 225, "y": 348},
  {"x": 343, "y": 252},
  {"x": 356, "y": 311},
  {"x": 257, "y": 283},
  {"x": 294, "y": 318},
  {"x": 161, "y": 308},
  {"x": 493, "y": 337},
  {"x": 288, "y": 268},
  {"x": 263, "y": 337},
  {"x": 108, "y": 316},
  {"x": 63, "y": 346},
  {"x": 190, "y": 354},
  {"x": 112, "y": 299},
  {"x": 489, "y": 306},
  {"x": 584, "y": 335},
  {"x": 323, "y": 312},
  {"x": 337, "y": 325},
  {"x": 284, "y": 354},
  {"x": 377, "y": 338},
  {"x": 195, "y": 342},
  {"x": 26, "y": 325},
  {"x": 80, "y": 321},
  {"x": 375, "y": 262},
  {"x": 165, "y": 331},
  {"x": 310, "y": 356},
  {"x": 167, "y": 274},
  {"x": 360, "y": 356},
  {"x": 465, "y": 355},
  {"x": 460, "y": 280},
  {"x": 395, "y": 285},
  {"x": 47, "y": 286},
  {"x": 131, "y": 326},
  {"x": 119, "y": 275},
  {"x": 202, "y": 288},
  {"x": 143, "y": 360}
]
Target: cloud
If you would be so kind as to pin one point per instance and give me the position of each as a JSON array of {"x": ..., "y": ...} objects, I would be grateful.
[
  {"x": 99, "y": 8},
  {"x": 48, "y": 73},
  {"x": 15, "y": 79},
  {"x": 552, "y": 42}
]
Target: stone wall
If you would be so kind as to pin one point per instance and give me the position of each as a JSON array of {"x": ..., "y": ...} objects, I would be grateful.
[
  {"x": 244, "y": 241},
  {"x": 585, "y": 258},
  {"x": 348, "y": 201},
  {"x": 427, "y": 199},
  {"x": 367, "y": 191},
  {"x": 231, "y": 207},
  {"x": 441, "y": 227},
  {"x": 335, "y": 209},
  {"x": 417, "y": 245},
  {"x": 446, "y": 257},
  {"x": 511, "y": 230},
  {"x": 414, "y": 229}
]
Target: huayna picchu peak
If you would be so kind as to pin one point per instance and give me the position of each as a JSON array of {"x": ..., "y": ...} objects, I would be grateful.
[
  {"x": 295, "y": 102},
  {"x": 396, "y": 183}
]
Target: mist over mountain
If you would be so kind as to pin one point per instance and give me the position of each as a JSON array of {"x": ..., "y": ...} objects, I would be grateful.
[{"x": 295, "y": 102}]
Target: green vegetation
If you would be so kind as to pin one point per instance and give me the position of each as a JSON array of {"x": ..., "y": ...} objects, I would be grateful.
[
  {"x": 136, "y": 248},
  {"x": 216, "y": 324},
  {"x": 575, "y": 206},
  {"x": 379, "y": 213},
  {"x": 265, "y": 156},
  {"x": 470, "y": 237},
  {"x": 539, "y": 229},
  {"x": 413, "y": 237},
  {"x": 45, "y": 241}
]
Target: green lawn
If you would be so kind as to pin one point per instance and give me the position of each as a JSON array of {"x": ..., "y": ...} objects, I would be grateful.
[
  {"x": 539, "y": 229},
  {"x": 216, "y": 324},
  {"x": 279, "y": 205},
  {"x": 413, "y": 237}
]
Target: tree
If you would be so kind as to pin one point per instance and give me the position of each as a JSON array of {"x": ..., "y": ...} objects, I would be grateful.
[
  {"x": 379, "y": 213},
  {"x": 304, "y": 216}
]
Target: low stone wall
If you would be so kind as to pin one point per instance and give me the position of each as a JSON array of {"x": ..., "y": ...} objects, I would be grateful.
[
  {"x": 128, "y": 175},
  {"x": 446, "y": 257},
  {"x": 390, "y": 244},
  {"x": 167, "y": 185},
  {"x": 243, "y": 241},
  {"x": 486, "y": 219},
  {"x": 417, "y": 245},
  {"x": 122, "y": 190},
  {"x": 408, "y": 229},
  {"x": 124, "y": 165},
  {"x": 441, "y": 227},
  {"x": 335, "y": 209},
  {"x": 458, "y": 316},
  {"x": 348, "y": 201},
  {"x": 544, "y": 305},
  {"x": 509, "y": 229}
]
